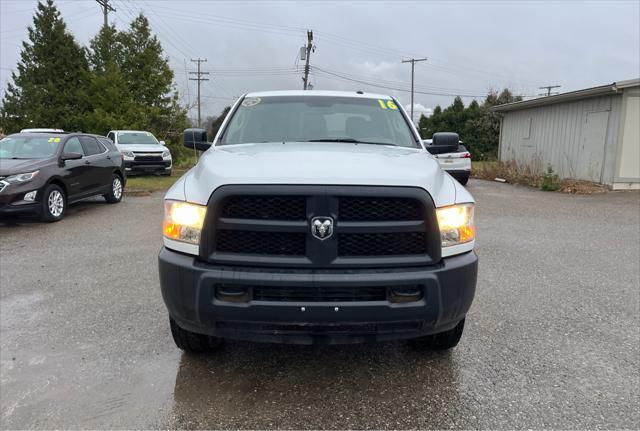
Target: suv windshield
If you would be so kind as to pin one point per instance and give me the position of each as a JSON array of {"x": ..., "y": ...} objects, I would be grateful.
[
  {"x": 132, "y": 138},
  {"x": 41, "y": 146},
  {"x": 318, "y": 119}
]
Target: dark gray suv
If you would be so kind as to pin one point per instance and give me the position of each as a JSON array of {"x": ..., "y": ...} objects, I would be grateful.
[{"x": 42, "y": 173}]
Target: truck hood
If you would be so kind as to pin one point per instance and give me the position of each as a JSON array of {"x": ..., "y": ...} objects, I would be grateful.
[
  {"x": 142, "y": 148},
  {"x": 22, "y": 166},
  {"x": 315, "y": 163}
]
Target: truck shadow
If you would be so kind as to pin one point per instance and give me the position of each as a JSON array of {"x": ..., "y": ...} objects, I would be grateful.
[{"x": 247, "y": 385}]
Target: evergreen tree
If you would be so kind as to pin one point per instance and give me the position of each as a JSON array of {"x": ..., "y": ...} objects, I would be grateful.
[
  {"x": 144, "y": 66},
  {"x": 108, "y": 91},
  {"x": 477, "y": 125},
  {"x": 48, "y": 88}
]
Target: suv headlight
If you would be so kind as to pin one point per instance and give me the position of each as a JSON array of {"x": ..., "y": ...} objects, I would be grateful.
[
  {"x": 21, "y": 178},
  {"x": 183, "y": 221},
  {"x": 128, "y": 154},
  {"x": 166, "y": 155},
  {"x": 456, "y": 224}
]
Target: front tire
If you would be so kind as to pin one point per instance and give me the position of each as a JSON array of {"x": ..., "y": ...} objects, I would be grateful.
[
  {"x": 192, "y": 342},
  {"x": 442, "y": 341},
  {"x": 54, "y": 204},
  {"x": 115, "y": 194}
]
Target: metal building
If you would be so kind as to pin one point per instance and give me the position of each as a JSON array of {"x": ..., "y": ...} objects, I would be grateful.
[{"x": 591, "y": 134}]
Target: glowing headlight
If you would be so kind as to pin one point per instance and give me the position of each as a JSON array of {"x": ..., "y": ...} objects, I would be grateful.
[
  {"x": 166, "y": 155},
  {"x": 183, "y": 221},
  {"x": 456, "y": 224},
  {"x": 21, "y": 178}
]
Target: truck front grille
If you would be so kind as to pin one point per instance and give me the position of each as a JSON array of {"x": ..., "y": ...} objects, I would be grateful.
[
  {"x": 381, "y": 244},
  {"x": 271, "y": 226},
  {"x": 379, "y": 209},
  {"x": 316, "y": 294},
  {"x": 265, "y": 207},
  {"x": 260, "y": 243},
  {"x": 148, "y": 157}
]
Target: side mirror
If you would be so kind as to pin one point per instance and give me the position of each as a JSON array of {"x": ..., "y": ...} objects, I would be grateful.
[
  {"x": 444, "y": 142},
  {"x": 196, "y": 139},
  {"x": 70, "y": 156},
  {"x": 162, "y": 143}
]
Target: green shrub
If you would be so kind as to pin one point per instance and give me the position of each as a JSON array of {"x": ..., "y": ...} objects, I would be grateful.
[{"x": 550, "y": 182}]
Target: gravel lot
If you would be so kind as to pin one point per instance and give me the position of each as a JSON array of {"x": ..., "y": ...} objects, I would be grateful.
[{"x": 552, "y": 340}]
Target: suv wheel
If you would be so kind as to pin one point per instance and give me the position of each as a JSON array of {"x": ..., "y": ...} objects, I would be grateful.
[
  {"x": 54, "y": 203},
  {"x": 442, "y": 341},
  {"x": 115, "y": 194},
  {"x": 192, "y": 342}
]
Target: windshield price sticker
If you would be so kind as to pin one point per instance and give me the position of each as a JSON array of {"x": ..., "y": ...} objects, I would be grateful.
[
  {"x": 387, "y": 104},
  {"x": 251, "y": 101},
  {"x": 54, "y": 139}
]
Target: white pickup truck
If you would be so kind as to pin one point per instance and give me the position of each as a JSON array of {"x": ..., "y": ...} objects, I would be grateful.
[{"x": 317, "y": 217}]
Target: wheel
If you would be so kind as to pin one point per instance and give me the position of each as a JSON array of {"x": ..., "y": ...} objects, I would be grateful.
[
  {"x": 442, "y": 341},
  {"x": 115, "y": 194},
  {"x": 192, "y": 342},
  {"x": 54, "y": 203}
]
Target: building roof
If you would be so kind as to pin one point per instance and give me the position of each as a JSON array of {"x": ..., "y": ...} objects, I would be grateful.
[{"x": 570, "y": 96}]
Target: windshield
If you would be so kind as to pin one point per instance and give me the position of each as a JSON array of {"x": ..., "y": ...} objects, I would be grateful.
[
  {"x": 317, "y": 119},
  {"x": 133, "y": 138},
  {"x": 29, "y": 147}
]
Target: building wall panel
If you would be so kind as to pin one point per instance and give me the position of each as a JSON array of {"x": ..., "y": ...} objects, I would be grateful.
[{"x": 557, "y": 136}]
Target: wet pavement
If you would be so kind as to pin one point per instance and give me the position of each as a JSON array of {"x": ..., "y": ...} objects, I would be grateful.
[{"x": 552, "y": 340}]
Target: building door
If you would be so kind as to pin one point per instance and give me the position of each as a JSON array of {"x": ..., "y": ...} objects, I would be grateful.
[{"x": 591, "y": 157}]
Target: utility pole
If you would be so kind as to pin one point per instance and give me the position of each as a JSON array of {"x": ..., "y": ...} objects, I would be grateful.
[
  {"x": 106, "y": 8},
  {"x": 309, "y": 49},
  {"x": 548, "y": 88},
  {"x": 413, "y": 62},
  {"x": 199, "y": 78}
]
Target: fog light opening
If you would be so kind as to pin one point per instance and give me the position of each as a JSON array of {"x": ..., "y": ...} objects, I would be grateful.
[
  {"x": 400, "y": 294},
  {"x": 31, "y": 196},
  {"x": 232, "y": 293}
]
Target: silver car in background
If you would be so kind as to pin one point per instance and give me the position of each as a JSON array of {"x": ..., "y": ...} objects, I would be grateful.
[
  {"x": 456, "y": 163},
  {"x": 142, "y": 152}
]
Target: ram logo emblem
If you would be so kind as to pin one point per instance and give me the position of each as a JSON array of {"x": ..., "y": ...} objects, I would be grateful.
[{"x": 322, "y": 227}]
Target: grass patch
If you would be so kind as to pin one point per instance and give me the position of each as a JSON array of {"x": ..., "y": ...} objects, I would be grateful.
[
  {"x": 144, "y": 185},
  {"x": 511, "y": 173}
]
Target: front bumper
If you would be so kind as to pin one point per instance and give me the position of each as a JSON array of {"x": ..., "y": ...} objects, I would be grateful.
[
  {"x": 12, "y": 199},
  {"x": 188, "y": 290},
  {"x": 133, "y": 167}
]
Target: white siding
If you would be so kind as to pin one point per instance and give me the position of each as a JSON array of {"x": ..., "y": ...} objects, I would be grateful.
[
  {"x": 556, "y": 135},
  {"x": 630, "y": 151}
]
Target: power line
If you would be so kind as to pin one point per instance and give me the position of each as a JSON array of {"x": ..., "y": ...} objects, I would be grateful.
[
  {"x": 406, "y": 90},
  {"x": 413, "y": 62},
  {"x": 106, "y": 8},
  {"x": 549, "y": 88},
  {"x": 199, "y": 77}
]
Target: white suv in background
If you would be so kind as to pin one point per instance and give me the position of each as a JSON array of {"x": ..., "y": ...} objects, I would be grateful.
[
  {"x": 455, "y": 160},
  {"x": 142, "y": 152}
]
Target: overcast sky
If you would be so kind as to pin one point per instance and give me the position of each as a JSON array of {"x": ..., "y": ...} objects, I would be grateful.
[{"x": 471, "y": 46}]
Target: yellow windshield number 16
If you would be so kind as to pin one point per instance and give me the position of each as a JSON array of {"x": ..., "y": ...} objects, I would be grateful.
[{"x": 387, "y": 104}]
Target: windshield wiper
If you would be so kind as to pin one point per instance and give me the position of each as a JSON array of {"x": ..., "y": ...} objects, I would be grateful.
[{"x": 350, "y": 140}]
